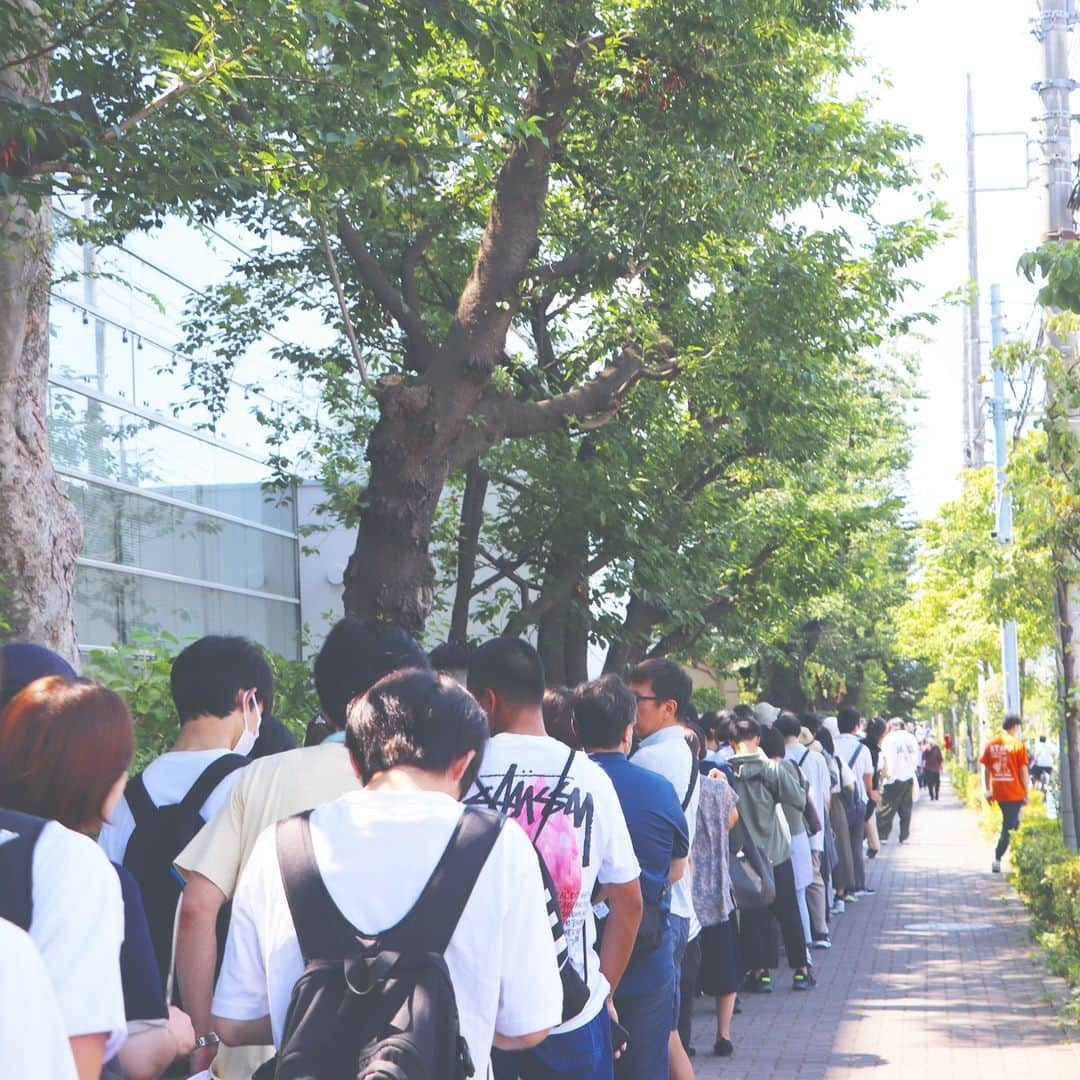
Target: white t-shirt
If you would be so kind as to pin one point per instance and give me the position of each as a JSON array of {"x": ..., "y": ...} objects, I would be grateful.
[
  {"x": 584, "y": 841},
  {"x": 33, "y": 1041},
  {"x": 902, "y": 756},
  {"x": 376, "y": 851},
  {"x": 167, "y": 779},
  {"x": 78, "y": 928},
  {"x": 667, "y": 753},
  {"x": 813, "y": 766},
  {"x": 863, "y": 762},
  {"x": 1044, "y": 755}
]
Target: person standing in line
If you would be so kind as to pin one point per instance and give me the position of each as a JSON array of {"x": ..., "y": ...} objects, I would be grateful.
[
  {"x": 900, "y": 755},
  {"x": 568, "y": 808},
  {"x": 875, "y": 732},
  {"x": 763, "y": 787},
  {"x": 1006, "y": 780},
  {"x": 1042, "y": 767},
  {"x": 932, "y": 762},
  {"x": 604, "y": 712},
  {"x": 662, "y": 689},
  {"x": 815, "y": 770},
  {"x": 853, "y": 753}
]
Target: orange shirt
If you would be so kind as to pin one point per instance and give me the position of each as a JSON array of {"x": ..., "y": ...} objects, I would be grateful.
[{"x": 1005, "y": 756}]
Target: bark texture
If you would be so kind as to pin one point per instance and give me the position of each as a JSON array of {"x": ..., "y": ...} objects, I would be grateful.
[{"x": 40, "y": 532}]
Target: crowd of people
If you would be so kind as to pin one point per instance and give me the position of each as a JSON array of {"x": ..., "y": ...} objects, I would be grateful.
[{"x": 463, "y": 866}]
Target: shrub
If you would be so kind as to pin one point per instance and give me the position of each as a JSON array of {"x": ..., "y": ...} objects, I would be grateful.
[
  {"x": 1037, "y": 847},
  {"x": 139, "y": 672}
]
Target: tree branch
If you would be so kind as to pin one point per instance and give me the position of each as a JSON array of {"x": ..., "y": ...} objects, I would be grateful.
[
  {"x": 413, "y": 254},
  {"x": 60, "y": 42},
  {"x": 350, "y": 331},
  {"x": 420, "y": 345}
]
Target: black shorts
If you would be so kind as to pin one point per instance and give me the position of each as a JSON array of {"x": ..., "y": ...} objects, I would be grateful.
[
  {"x": 720, "y": 967},
  {"x": 1038, "y": 771}
]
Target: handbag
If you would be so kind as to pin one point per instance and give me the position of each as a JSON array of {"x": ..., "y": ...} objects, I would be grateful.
[{"x": 753, "y": 884}]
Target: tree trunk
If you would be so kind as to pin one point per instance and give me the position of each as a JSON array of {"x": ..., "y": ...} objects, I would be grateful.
[
  {"x": 472, "y": 518},
  {"x": 1068, "y": 616},
  {"x": 40, "y": 532},
  {"x": 630, "y": 646}
]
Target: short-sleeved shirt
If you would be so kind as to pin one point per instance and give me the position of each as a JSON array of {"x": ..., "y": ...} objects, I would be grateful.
[
  {"x": 856, "y": 755},
  {"x": 167, "y": 779},
  {"x": 813, "y": 766},
  {"x": 1044, "y": 755},
  {"x": 902, "y": 756},
  {"x": 265, "y": 791},
  {"x": 1005, "y": 756},
  {"x": 585, "y": 840},
  {"x": 376, "y": 852},
  {"x": 667, "y": 753},
  {"x": 144, "y": 998},
  {"x": 78, "y": 928},
  {"x": 33, "y": 1040}
]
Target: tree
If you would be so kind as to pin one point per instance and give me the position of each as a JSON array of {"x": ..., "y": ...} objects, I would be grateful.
[
  {"x": 42, "y": 535},
  {"x": 511, "y": 214}
]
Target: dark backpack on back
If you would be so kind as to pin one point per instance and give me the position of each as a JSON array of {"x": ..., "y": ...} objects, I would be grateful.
[
  {"x": 18, "y": 836},
  {"x": 161, "y": 833},
  {"x": 382, "y": 1007}
]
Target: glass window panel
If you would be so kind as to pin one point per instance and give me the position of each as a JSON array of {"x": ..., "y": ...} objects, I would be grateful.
[
  {"x": 110, "y": 605},
  {"x": 108, "y": 442},
  {"x": 136, "y": 531}
]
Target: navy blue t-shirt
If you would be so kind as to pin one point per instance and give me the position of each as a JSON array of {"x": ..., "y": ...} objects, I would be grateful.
[
  {"x": 143, "y": 996},
  {"x": 659, "y": 834}
]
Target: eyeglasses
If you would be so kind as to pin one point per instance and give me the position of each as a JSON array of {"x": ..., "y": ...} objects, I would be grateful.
[{"x": 648, "y": 697}]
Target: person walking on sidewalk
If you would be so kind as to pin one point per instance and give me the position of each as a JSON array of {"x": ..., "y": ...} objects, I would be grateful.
[
  {"x": 932, "y": 763},
  {"x": 1006, "y": 780},
  {"x": 900, "y": 758}
]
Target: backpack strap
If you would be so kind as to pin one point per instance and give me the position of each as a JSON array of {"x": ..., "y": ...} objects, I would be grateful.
[
  {"x": 806, "y": 754},
  {"x": 430, "y": 924},
  {"x": 209, "y": 779},
  {"x": 18, "y": 837},
  {"x": 138, "y": 799},
  {"x": 322, "y": 931},
  {"x": 851, "y": 763},
  {"x": 694, "y": 774}
]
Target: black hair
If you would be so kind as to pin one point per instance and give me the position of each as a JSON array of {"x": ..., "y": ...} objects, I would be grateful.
[
  {"x": 1011, "y": 721},
  {"x": 210, "y": 672},
  {"x": 745, "y": 729},
  {"x": 810, "y": 721},
  {"x": 558, "y": 715},
  {"x": 772, "y": 742},
  {"x": 875, "y": 729},
  {"x": 356, "y": 654},
  {"x": 689, "y": 714},
  {"x": 743, "y": 712},
  {"x": 451, "y": 656},
  {"x": 710, "y": 723},
  {"x": 847, "y": 719},
  {"x": 824, "y": 736},
  {"x": 417, "y": 718},
  {"x": 695, "y": 738},
  {"x": 788, "y": 725},
  {"x": 602, "y": 711},
  {"x": 1042, "y": 738},
  {"x": 512, "y": 668},
  {"x": 669, "y": 681}
]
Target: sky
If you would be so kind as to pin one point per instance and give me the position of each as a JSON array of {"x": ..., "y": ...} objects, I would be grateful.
[{"x": 925, "y": 49}]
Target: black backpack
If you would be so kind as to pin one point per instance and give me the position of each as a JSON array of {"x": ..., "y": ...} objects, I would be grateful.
[
  {"x": 18, "y": 836},
  {"x": 383, "y": 1007},
  {"x": 161, "y": 833}
]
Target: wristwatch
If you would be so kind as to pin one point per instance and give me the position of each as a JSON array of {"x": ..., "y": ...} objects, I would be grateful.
[{"x": 211, "y": 1038}]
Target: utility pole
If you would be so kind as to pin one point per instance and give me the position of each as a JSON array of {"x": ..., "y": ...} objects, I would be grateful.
[
  {"x": 974, "y": 412},
  {"x": 1056, "y": 18},
  {"x": 1010, "y": 661}
]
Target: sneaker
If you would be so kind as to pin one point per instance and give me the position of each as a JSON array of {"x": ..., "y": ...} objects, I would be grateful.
[
  {"x": 995, "y": 866},
  {"x": 723, "y": 1047},
  {"x": 803, "y": 981},
  {"x": 852, "y": 898},
  {"x": 738, "y": 1005},
  {"x": 867, "y": 891},
  {"x": 821, "y": 943},
  {"x": 760, "y": 984},
  {"x": 838, "y": 908}
]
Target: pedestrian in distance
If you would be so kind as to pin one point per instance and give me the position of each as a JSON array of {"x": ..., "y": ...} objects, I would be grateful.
[
  {"x": 1042, "y": 765},
  {"x": 932, "y": 762},
  {"x": 900, "y": 757},
  {"x": 1006, "y": 780}
]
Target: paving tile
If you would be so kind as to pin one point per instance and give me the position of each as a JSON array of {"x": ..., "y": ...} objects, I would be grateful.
[{"x": 893, "y": 1001}]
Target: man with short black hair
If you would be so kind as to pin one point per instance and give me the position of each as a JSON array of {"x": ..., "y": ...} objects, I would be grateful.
[
  {"x": 1006, "y": 780},
  {"x": 663, "y": 689},
  {"x": 354, "y": 656},
  {"x": 415, "y": 740},
  {"x": 568, "y": 807},
  {"x": 604, "y": 712},
  {"x": 854, "y": 753}
]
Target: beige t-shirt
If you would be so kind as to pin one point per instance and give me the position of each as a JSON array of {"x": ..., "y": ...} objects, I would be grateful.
[{"x": 267, "y": 791}]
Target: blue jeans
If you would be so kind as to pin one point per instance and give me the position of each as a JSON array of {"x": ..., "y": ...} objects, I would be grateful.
[
  {"x": 647, "y": 1017},
  {"x": 680, "y": 932},
  {"x": 584, "y": 1054}
]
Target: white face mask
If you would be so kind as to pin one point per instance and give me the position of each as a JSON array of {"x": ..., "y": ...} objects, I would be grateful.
[{"x": 246, "y": 742}]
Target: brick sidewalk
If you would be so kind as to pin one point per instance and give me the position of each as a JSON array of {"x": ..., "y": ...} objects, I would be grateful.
[{"x": 896, "y": 1002}]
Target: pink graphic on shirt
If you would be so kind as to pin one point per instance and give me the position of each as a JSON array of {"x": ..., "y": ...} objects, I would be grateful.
[{"x": 558, "y": 844}]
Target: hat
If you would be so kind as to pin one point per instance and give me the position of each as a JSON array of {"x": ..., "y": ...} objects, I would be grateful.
[
  {"x": 766, "y": 714},
  {"x": 830, "y": 725},
  {"x": 23, "y": 663},
  {"x": 806, "y": 737}
]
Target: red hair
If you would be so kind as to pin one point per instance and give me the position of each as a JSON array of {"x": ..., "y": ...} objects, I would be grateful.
[{"x": 63, "y": 744}]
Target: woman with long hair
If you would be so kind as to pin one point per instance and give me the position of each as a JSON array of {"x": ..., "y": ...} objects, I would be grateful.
[{"x": 65, "y": 748}]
